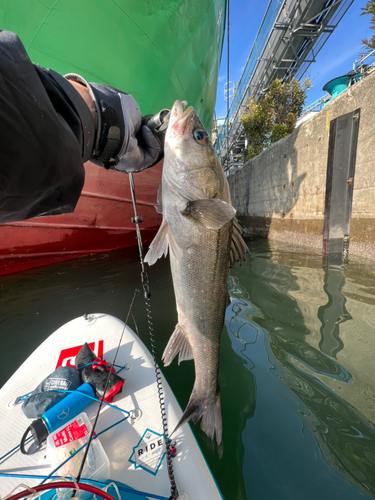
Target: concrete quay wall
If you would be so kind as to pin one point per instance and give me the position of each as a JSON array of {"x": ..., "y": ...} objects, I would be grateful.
[{"x": 280, "y": 194}]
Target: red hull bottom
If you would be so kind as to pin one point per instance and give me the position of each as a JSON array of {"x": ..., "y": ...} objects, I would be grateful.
[
  {"x": 101, "y": 222},
  {"x": 24, "y": 262}
]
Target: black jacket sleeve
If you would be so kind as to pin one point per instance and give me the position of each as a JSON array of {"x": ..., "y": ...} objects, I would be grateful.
[{"x": 43, "y": 143}]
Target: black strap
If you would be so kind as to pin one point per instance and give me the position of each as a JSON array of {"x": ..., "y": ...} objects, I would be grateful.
[
  {"x": 87, "y": 120},
  {"x": 110, "y": 136},
  {"x": 31, "y": 450}
]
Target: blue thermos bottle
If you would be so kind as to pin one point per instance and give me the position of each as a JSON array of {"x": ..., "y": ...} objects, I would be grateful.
[{"x": 55, "y": 417}]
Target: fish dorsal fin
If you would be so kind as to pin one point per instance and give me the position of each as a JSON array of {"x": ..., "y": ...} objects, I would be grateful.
[
  {"x": 159, "y": 206},
  {"x": 238, "y": 247},
  {"x": 211, "y": 212},
  {"x": 159, "y": 245},
  {"x": 177, "y": 343}
]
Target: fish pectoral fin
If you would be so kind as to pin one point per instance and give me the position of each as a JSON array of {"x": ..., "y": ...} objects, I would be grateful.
[
  {"x": 178, "y": 343},
  {"x": 238, "y": 247},
  {"x": 211, "y": 212},
  {"x": 159, "y": 206},
  {"x": 159, "y": 245}
]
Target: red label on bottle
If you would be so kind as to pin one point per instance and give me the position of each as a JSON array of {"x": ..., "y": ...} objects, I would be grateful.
[
  {"x": 75, "y": 430},
  {"x": 67, "y": 356}
]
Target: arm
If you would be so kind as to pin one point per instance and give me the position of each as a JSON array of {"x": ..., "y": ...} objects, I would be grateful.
[
  {"x": 85, "y": 94},
  {"x": 51, "y": 125}
]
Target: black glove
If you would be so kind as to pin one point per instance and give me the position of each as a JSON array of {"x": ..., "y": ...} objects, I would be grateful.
[{"x": 124, "y": 141}]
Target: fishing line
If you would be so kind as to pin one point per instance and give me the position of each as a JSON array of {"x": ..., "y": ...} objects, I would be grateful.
[
  {"x": 135, "y": 325},
  {"x": 104, "y": 392},
  {"x": 147, "y": 295}
]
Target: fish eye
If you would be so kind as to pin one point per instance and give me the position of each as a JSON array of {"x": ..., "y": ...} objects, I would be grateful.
[{"x": 200, "y": 135}]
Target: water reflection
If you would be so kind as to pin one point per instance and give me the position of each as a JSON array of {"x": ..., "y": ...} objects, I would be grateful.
[
  {"x": 345, "y": 438},
  {"x": 239, "y": 326},
  {"x": 296, "y": 362},
  {"x": 238, "y": 399},
  {"x": 266, "y": 303},
  {"x": 334, "y": 312}
]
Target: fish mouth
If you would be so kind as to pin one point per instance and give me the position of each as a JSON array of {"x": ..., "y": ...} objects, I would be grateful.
[{"x": 179, "y": 119}]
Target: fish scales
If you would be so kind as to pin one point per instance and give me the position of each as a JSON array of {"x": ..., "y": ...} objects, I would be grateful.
[{"x": 200, "y": 232}]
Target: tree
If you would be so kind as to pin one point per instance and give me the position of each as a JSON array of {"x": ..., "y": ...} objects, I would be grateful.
[
  {"x": 369, "y": 8},
  {"x": 275, "y": 116}
]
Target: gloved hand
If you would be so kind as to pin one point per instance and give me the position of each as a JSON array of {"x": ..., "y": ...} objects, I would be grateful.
[{"x": 124, "y": 141}]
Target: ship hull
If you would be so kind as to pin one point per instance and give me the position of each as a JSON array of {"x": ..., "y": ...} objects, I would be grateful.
[
  {"x": 156, "y": 50},
  {"x": 101, "y": 222}
]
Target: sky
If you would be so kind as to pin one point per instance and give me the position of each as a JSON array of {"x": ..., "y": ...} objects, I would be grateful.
[{"x": 334, "y": 59}]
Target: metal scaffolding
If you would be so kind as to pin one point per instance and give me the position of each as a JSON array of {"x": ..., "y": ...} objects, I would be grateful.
[{"x": 290, "y": 36}]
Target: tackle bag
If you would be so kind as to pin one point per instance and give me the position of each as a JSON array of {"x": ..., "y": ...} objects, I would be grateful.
[
  {"x": 94, "y": 370},
  {"x": 65, "y": 378}
]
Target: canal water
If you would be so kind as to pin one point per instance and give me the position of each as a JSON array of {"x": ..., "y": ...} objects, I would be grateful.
[{"x": 297, "y": 368}]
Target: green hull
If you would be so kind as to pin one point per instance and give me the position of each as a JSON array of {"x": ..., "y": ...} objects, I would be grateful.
[{"x": 156, "y": 50}]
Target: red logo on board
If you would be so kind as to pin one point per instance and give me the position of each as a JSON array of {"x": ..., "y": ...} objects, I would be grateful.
[{"x": 67, "y": 356}]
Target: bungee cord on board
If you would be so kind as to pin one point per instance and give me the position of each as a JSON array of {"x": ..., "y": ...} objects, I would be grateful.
[
  {"x": 147, "y": 294},
  {"x": 104, "y": 393}
]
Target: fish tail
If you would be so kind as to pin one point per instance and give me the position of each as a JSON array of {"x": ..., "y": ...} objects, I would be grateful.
[{"x": 209, "y": 409}]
